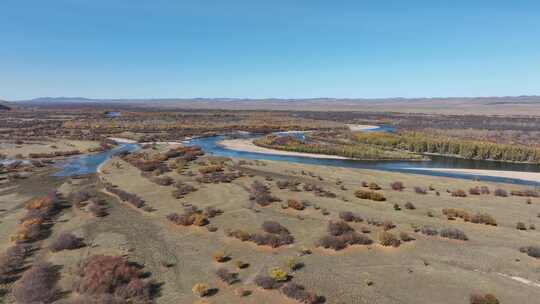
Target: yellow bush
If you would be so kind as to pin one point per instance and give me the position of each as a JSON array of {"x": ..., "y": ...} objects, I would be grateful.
[
  {"x": 278, "y": 274},
  {"x": 200, "y": 289}
]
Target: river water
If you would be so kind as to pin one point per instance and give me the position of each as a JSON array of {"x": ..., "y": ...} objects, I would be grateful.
[
  {"x": 89, "y": 163},
  {"x": 210, "y": 146}
]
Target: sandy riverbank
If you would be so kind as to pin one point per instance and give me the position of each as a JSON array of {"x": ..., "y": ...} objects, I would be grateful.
[
  {"x": 362, "y": 127},
  {"x": 247, "y": 145},
  {"x": 528, "y": 176}
]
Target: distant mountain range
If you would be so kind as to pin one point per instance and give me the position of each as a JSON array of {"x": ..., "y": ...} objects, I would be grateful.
[{"x": 511, "y": 105}]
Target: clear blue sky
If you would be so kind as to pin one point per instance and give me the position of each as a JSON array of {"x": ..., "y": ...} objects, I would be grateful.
[{"x": 273, "y": 48}]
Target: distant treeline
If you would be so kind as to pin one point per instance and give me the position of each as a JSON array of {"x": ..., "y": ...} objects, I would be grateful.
[{"x": 419, "y": 142}]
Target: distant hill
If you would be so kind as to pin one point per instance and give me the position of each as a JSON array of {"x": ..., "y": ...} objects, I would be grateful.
[
  {"x": 4, "y": 106},
  {"x": 511, "y": 105}
]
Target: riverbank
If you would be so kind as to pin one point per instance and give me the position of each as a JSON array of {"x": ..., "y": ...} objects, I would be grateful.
[
  {"x": 247, "y": 145},
  {"x": 527, "y": 176}
]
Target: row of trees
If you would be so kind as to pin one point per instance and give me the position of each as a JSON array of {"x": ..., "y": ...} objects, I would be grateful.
[
  {"x": 357, "y": 150},
  {"x": 419, "y": 142}
]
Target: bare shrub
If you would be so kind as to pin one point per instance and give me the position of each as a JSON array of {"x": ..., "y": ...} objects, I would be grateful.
[
  {"x": 348, "y": 216},
  {"x": 409, "y": 206},
  {"x": 66, "y": 241},
  {"x": 133, "y": 199},
  {"x": 459, "y": 193},
  {"x": 113, "y": 275},
  {"x": 266, "y": 282},
  {"x": 475, "y": 191},
  {"x": 483, "y": 299},
  {"x": 37, "y": 285},
  {"x": 226, "y": 276},
  {"x": 531, "y": 251},
  {"x": 428, "y": 230},
  {"x": 500, "y": 192},
  {"x": 211, "y": 212},
  {"x": 388, "y": 239},
  {"x": 420, "y": 190},
  {"x": 272, "y": 240},
  {"x": 484, "y": 190},
  {"x": 97, "y": 210},
  {"x": 261, "y": 195},
  {"x": 294, "y": 204},
  {"x": 298, "y": 292},
  {"x": 454, "y": 233},
  {"x": 397, "y": 186},
  {"x": 274, "y": 227},
  {"x": 338, "y": 228}
]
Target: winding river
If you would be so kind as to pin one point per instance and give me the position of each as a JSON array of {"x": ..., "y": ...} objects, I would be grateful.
[
  {"x": 436, "y": 167},
  {"x": 210, "y": 146}
]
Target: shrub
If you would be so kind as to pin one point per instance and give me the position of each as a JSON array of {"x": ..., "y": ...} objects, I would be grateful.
[
  {"x": 405, "y": 237},
  {"x": 521, "y": 226},
  {"x": 277, "y": 274},
  {"x": 428, "y": 230},
  {"x": 241, "y": 264},
  {"x": 272, "y": 240},
  {"x": 348, "y": 216},
  {"x": 371, "y": 195},
  {"x": 12, "y": 261},
  {"x": 220, "y": 256},
  {"x": 261, "y": 195},
  {"x": 453, "y": 233},
  {"x": 113, "y": 275},
  {"x": 459, "y": 193},
  {"x": 374, "y": 186},
  {"x": 226, "y": 276},
  {"x": 397, "y": 207},
  {"x": 295, "y": 204},
  {"x": 531, "y": 251},
  {"x": 126, "y": 196},
  {"x": 97, "y": 210},
  {"x": 398, "y": 186},
  {"x": 239, "y": 234},
  {"x": 420, "y": 190},
  {"x": 162, "y": 181},
  {"x": 475, "y": 191},
  {"x": 526, "y": 193},
  {"x": 483, "y": 218},
  {"x": 388, "y": 239},
  {"x": 297, "y": 292},
  {"x": 200, "y": 289},
  {"x": 500, "y": 192},
  {"x": 483, "y": 299},
  {"x": 66, "y": 241},
  {"x": 266, "y": 282},
  {"x": 78, "y": 197},
  {"x": 388, "y": 225},
  {"x": 191, "y": 216},
  {"x": 409, "y": 206},
  {"x": 484, "y": 190},
  {"x": 274, "y": 227},
  {"x": 338, "y": 228},
  {"x": 211, "y": 212},
  {"x": 37, "y": 285}
]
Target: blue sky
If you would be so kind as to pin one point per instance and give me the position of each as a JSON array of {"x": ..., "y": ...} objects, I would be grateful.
[{"x": 250, "y": 48}]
